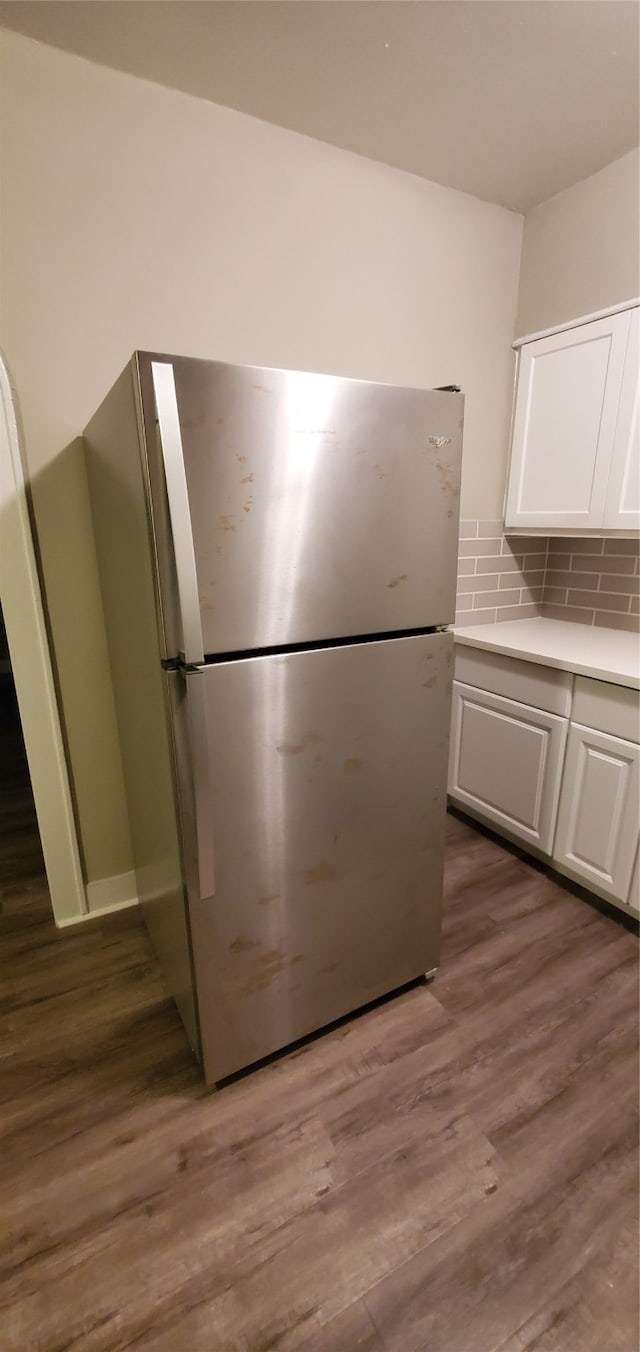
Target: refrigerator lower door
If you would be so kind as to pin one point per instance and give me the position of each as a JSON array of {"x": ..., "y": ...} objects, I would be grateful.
[{"x": 325, "y": 796}]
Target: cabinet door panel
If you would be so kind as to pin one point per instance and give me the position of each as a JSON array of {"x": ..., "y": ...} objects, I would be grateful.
[
  {"x": 622, "y": 509},
  {"x": 634, "y": 891},
  {"x": 598, "y": 829},
  {"x": 564, "y": 424},
  {"x": 506, "y": 763}
]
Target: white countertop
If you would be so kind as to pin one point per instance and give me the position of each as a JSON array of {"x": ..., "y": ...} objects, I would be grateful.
[{"x": 605, "y": 654}]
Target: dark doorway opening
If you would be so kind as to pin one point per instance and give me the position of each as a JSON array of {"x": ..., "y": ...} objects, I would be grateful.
[{"x": 21, "y": 858}]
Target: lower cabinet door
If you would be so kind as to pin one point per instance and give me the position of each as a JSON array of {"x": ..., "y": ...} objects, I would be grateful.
[
  {"x": 506, "y": 763},
  {"x": 633, "y": 900},
  {"x": 598, "y": 826}
]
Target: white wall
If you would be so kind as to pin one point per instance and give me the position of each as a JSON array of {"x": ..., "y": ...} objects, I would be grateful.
[
  {"x": 134, "y": 216},
  {"x": 581, "y": 249}
]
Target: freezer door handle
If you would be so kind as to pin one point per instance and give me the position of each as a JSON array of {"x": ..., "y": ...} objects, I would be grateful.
[
  {"x": 199, "y": 747},
  {"x": 164, "y": 389}
]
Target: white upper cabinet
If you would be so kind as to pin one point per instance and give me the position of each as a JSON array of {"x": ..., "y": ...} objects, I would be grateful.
[
  {"x": 574, "y": 460},
  {"x": 622, "y": 503}
]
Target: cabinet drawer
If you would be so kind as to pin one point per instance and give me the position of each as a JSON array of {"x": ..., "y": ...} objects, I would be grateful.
[
  {"x": 527, "y": 682},
  {"x": 506, "y": 763},
  {"x": 610, "y": 708},
  {"x": 598, "y": 822}
]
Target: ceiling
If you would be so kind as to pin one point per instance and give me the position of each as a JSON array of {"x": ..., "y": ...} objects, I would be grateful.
[{"x": 511, "y": 100}]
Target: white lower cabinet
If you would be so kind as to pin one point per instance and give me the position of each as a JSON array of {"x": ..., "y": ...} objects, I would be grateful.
[
  {"x": 553, "y": 761},
  {"x": 598, "y": 817},
  {"x": 634, "y": 890},
  {"x": 506, "y": 762}
]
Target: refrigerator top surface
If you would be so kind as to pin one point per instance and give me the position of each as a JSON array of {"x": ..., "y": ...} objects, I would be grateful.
[{"x": 321, "y": 507}]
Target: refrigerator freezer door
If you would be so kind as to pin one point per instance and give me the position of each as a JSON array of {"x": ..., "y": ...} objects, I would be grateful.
[
  {"x": 321, "y": 507},
  {"x": 326, "y": 802}
]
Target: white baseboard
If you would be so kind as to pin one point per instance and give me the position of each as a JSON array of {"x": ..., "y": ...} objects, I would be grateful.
[
  {"x": 106, "y": 895},
  {"x": 112, "y": 894}
]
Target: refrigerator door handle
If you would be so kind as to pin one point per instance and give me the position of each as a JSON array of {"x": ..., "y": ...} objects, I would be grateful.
[
  {"x": 164, "y": 389},
  {"x": 199, "y": 748}
]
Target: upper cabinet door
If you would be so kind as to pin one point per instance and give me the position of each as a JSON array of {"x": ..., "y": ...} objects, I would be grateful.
[
  {"x": 566, "y": 411},
  {"x": 622, "y": 507}
]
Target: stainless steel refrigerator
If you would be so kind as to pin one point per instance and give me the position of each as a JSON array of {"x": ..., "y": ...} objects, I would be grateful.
[{"x": 277, "y": 555}]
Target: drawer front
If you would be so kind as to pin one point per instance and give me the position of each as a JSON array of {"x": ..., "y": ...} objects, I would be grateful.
[
  {"x": 527, "y": 682},
  {"x": 506, "y": 763},
  {"x": 598, "y": 819},
  {"x": 610, "y": 708}
]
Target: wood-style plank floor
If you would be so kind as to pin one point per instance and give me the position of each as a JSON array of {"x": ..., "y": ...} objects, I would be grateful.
[{"x": 452, "y": 1171}]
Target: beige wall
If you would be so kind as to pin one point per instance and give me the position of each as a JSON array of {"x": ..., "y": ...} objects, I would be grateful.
[
  {"x": 581, "y": 249},
  {"x": 134, "y": 216}
]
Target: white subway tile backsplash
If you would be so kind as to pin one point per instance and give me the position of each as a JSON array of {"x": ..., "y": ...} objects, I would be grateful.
[
  {"x": 578, "y": 546},
  {"x": 499, "y": 564},
  {"x": 621, "y": 547},
  {"x": 573, "y": 613},
  {"x": 518, "y": 613},
  {"x": 513, "y": 577},
  {"x": 476, "y": 617},
  {"x": 628, "y": 584},
  {"x": 482, "y": 582},
  {"x": 474, "y": 548},
  {"x": 607, "y": 563},
  {"x": 521, "y": 544},
  {"x": 492, "y": 572},
  {"x": 499, "y": 598},
  {"x": 611, "y": 620},
  {"x": 597, "y": 579},
  {"x": 531, "y": 595},
  {"x": 555, "y": 595},
  {"x": 563, "y": 577},
  {"x": 603, "y": 600}
]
